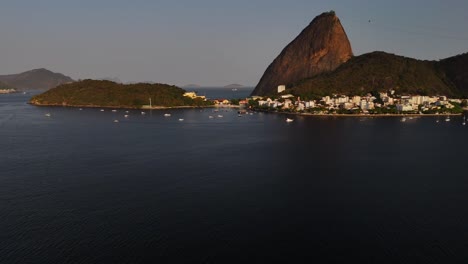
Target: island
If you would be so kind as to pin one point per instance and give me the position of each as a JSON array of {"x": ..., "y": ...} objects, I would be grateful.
[{"x": 108, "y": 94}]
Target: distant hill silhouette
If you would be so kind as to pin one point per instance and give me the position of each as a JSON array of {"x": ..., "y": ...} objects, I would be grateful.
[
  {"x": 235, "y": 85},
  {"x": 191, "y": 86},
  {"x": 38, "y": 79}
]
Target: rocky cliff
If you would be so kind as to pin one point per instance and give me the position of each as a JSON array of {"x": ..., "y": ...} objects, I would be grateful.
[{"x": 320, "y": 47}]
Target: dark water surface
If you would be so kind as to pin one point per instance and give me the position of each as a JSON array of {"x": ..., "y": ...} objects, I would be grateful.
[{"x": 78, "y": 188}]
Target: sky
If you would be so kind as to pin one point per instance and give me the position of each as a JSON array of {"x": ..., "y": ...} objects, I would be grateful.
[{"x": 209, "y": 42}]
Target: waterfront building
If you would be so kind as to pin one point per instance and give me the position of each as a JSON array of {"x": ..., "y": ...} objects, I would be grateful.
[
  {"x": 404, "y": 107},
  {"x": 281, "y": 88}
]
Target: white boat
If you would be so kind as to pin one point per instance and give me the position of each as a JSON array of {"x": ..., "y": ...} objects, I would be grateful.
[
  {"x": 48, "y": 114},
  {"x": 81, "y": 109},
  {"x": 102, "y": 110},
  {"x": 464, "y": 121},
  {"x": 403, "y": 119},
  {"x": 210, "y": 117},
  {"x": 116, "y": 121},
  {"x": 167, "y": 115},
  {"x": 289, "y": 120},
  {"x": 126, "y": 111},
  {"x": 447, "y": 119},
  {"x": 126, "y": 116},
  {"x": 114, "y": 110},
  {"x": 220, "y": 116},
  {"x": 143, "y": 113},
  {"x": 181, "y": 119}
]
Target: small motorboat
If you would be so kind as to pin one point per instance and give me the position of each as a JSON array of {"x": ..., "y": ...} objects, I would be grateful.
[
  {"x": 48, "y": 114},
  {"x": 167, "y": 115},
  {"x": 143, "y": 113},
  {"x": 126, "y": 116},
  {"x": 114, "y": 110},
  {"x": 102, "y": 110},
  {"x": 116, "y": 121},
  {"x": 403, "y": 119},
  {"x": 289, "y": 120},
  {"x": 210, "y": 117},
  {"x": 220, "y": 116},
  {"x": 181, "y": 119},
  {"x": 447, "y": 119}
]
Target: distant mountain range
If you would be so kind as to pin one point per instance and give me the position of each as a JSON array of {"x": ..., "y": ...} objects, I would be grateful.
[
  {"x": 235, "y": 85},
  {"x": 38, "y": 79}
]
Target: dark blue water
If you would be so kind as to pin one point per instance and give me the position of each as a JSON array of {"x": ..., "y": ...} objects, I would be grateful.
[{"x": 77, "y": 188}]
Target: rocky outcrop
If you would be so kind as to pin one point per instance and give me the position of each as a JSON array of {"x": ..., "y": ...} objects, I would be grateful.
[{"x": 320, "y": 47}]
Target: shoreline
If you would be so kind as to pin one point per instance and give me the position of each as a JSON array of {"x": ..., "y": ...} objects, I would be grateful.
[
  {"x": 135, "y": 108},
  {"x": 237, "y": 107},
  {"x": 360, "y": 115}
]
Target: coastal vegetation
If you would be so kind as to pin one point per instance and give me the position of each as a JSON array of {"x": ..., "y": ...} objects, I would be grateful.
[
  {"x": 101, "y": 93},
  {"x": 380, "y": 71}
]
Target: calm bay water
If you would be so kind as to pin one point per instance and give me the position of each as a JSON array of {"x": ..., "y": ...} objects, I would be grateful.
[{"x": 78, "y": 188}]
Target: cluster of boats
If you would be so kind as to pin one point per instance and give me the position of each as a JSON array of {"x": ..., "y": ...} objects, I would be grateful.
[
  {"x": 447, "y": 119},
  {"x": 244, "y": 112}
]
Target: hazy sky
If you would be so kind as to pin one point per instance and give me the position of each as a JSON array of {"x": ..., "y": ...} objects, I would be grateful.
[{"x": 209, "y": 42}]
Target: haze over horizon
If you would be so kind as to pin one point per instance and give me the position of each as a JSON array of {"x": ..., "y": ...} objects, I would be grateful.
[{"x": 211, "y": 43}]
